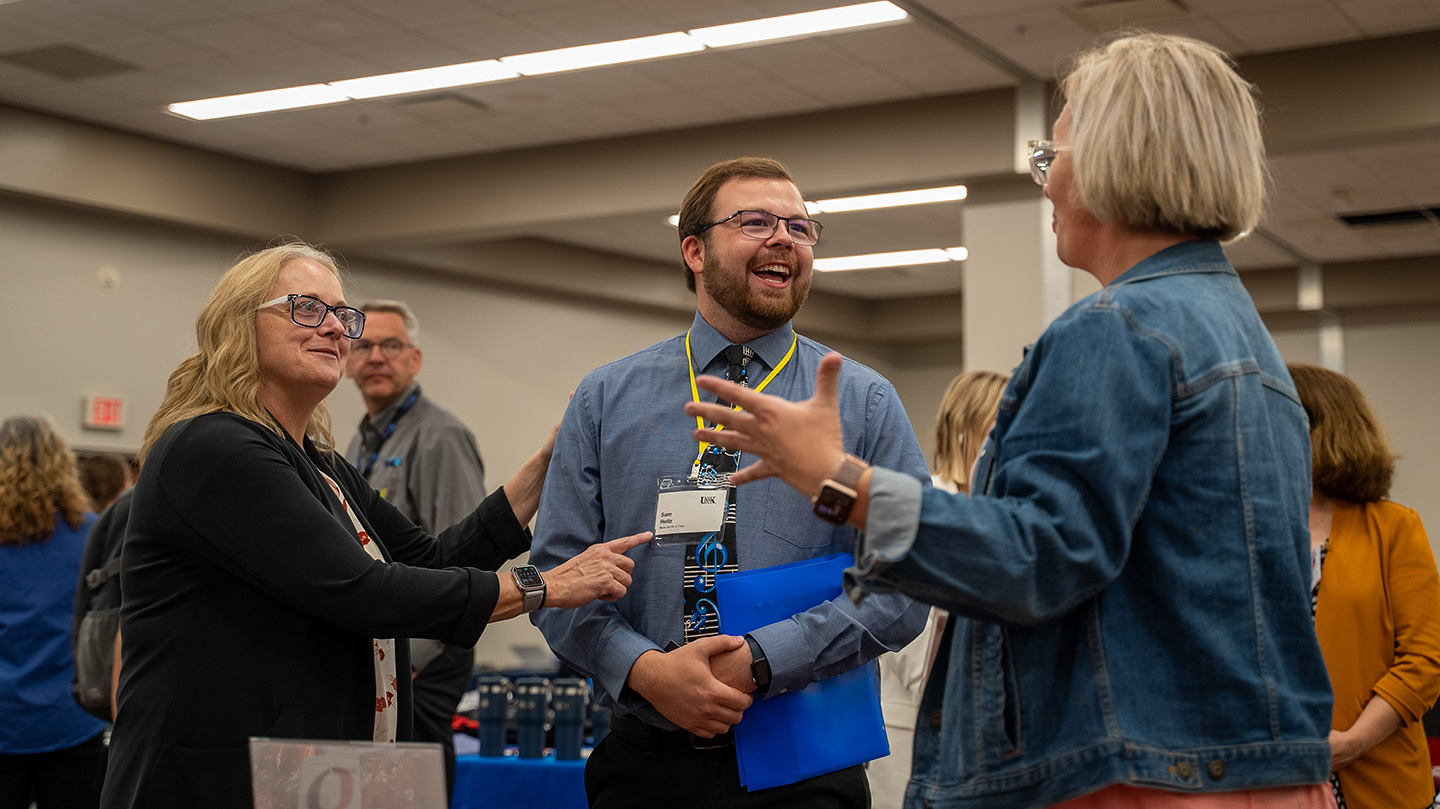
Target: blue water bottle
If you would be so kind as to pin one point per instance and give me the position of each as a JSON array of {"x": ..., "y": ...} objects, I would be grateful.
[
  {"x": 531, "y": 701},
  {"x": 568, "y": 697},
  {"x": 494, "y": 693},
  {"x": 599, "y": 722}
]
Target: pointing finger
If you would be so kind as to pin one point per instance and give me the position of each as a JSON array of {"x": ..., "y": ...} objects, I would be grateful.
[{"x": 624, "y": 544}]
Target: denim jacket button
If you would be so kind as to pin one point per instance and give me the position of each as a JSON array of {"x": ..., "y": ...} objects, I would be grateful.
[
  {"x": 935, "y": 716},
  {"x": 1184, "y": 770},
  {"x": 1216, "y": 770},
  {"x": 925, "y": 804}
]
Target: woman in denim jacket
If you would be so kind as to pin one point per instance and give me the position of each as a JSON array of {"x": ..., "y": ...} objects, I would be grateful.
[{"x": 1136, "y": 559}]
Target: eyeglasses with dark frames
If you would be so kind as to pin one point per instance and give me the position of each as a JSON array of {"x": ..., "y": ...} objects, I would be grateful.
[
  {"x": 389, "y": 349},
  {"x": 1042, "y": 154},
  {"x": 310, "y": 312},
  {"x": 762, "y": 225}
]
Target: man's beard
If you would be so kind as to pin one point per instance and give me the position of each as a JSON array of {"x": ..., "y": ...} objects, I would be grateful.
[{"x": 733, "y": 293}]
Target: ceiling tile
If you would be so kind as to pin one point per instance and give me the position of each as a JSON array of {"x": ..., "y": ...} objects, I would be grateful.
[
  {"x": 14, "y": 39},
  {"x": 396, "y": 51},
  {"x": 1334, "y": 182},
  {"x": 1228, "y": 7},
  {"x": 236, "y": 37},
  {"x": 326, "y": 22},
  {"x": 852, "y": 85},
  {"x": 962, "y": 10},
  {"x": 950, "y": 75},
  {"x": 160, "y": 14},
  {"x": 419, "y": 14},
  {"x": 794, "y": 56},
  {"x": 157, "y": 50},
  {"x": 1405, "y": 168},
  {"x": 586, "y": 23},
  {"x": 1385, "y": 17},
  {"x": 1291, "y": 27},
  {"x": 707, "y": 68},
  {"x": 760, "y": 99},
  {"x": 494, "y": 36},
  {"x": 1253, "y": 253},
  {"x": 895, "y": 282},
  {"x": 1203, "y": 30},
  {"x": 896, "y": 42},
  {"x": 613, "y": 83},
  {"x": 1039, "y": 39},
  {"x": 76, "y": 25}
]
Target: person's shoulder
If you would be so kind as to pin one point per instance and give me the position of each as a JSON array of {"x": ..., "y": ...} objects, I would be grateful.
[
  {"x": 1389, "y": 513},
  {"x": 661, "y": 357},
  {"x": 439, "y": 418},
  {"x": 209, "y": 437},
  {"x": 854, "y": 375}
]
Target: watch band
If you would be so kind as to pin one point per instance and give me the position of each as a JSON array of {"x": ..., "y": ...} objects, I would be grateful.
[
  {"x": 533, "y": 594},
  {"x": 759, "y": 665},
  {"x": 850, "y": 471}
]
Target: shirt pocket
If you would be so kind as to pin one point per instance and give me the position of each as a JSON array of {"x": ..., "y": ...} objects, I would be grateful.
[{"x": 789, "y": 516}]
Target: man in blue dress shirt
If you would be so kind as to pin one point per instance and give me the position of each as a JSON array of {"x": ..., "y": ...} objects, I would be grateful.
[{"x": 676, "y": 687}]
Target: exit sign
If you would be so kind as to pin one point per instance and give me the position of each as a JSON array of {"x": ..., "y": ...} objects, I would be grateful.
[{"x": 104, "y": 412}]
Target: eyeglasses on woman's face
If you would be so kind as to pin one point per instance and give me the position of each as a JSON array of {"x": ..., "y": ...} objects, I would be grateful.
[
  {"x": 1042, "y": 155},
  {"x": 310, "y": 312}
]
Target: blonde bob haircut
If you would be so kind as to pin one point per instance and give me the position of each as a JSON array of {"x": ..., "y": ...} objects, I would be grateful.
[
  {"x": 38, "y": 481},
  {"x": 963, "y": 422},
  {"x": 224, "y": 375},
  {"x": 1166, "y": 136}
]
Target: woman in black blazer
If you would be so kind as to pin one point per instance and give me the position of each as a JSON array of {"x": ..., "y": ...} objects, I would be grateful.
[{"x": 266, "y": 584}]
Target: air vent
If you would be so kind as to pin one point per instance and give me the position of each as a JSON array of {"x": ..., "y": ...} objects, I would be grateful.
[
  {"x": 68, "y": 62},
  {"x": 1403, "y": 216},
  {"x": 1103, "y": 16},
  {"x": 444, "y": 107}
]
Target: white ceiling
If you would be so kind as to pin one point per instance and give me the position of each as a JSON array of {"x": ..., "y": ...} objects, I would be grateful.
[{"x": 188, "y": 49}]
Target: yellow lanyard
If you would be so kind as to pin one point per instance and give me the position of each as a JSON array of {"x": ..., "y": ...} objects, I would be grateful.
[{"x": 695, "y": 390}]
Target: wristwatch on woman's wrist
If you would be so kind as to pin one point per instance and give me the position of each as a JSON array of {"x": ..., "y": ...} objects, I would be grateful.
[
  {"x": 532, "y": 587},
  {"x": 839, "y": 491}
]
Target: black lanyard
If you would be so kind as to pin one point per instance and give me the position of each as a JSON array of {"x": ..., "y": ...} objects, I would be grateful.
[{"x": 385, "y": 436}]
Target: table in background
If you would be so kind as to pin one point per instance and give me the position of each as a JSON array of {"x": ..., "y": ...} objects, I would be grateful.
[{"x": 510, "y": 781}]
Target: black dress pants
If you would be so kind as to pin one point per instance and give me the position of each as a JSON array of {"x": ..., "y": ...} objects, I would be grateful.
[
  {"x": 626, "y": 772},
  {"x": 437, "y": 691},
  {"x": 61, "y": 779}
]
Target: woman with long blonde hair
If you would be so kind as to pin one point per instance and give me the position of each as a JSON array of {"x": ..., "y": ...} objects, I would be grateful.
[
  {"x": 268, "y": 589},
  {"x": 51, "y": 751}
]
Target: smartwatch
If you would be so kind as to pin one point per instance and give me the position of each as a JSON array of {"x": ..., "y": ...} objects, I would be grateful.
[
  {"x": 532, "y": 587},
  {"x": 759, "y": 666},
  {"x": 838, "y": 492}
]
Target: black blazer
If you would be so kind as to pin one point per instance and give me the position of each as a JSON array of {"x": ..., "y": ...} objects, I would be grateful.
[{"x": 250, "y": 606}]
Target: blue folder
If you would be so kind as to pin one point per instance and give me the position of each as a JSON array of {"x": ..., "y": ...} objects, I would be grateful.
[{"x": 827, "y": 726}]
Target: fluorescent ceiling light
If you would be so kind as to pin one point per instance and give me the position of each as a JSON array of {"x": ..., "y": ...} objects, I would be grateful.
[
  {"x": 540, "y": 63},
  {"x": 419, "y": 81},
  {"x": 795, "y": 25},
  {"x": 921, "y": 196},
  {"x": 674, "y": 220},
  {"x": 287, "y": 98},
  {"x": 903, "y": 258},
  {"x": 602, "y": 53}
]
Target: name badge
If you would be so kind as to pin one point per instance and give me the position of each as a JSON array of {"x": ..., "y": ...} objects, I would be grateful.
[{"x": 683, "y": 508}]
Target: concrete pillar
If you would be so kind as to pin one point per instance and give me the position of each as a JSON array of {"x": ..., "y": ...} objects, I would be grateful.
[{"x": 1014, "y": 283}]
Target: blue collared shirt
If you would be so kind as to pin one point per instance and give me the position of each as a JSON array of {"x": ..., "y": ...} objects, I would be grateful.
[{"x": 625, "y": 428}]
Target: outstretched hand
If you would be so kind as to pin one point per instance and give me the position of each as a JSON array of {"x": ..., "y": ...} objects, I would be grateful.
[{"x": 799, "y": 442}]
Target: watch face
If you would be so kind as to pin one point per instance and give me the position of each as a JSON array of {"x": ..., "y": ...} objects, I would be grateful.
[
  {"x": 528, "y": 577},
  {"x": 833, "y": 505}
]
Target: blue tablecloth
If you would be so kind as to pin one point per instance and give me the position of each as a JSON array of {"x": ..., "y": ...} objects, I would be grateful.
[{"x": 511, "y": 781}]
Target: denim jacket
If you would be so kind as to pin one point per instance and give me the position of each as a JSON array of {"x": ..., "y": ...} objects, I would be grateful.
[{"x": 1134, "y": 566}]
